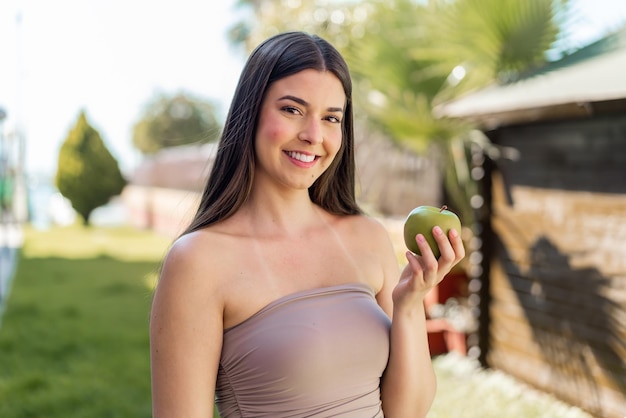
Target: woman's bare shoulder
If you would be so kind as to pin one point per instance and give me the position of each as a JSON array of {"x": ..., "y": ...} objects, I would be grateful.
[
  {"x": 198, "y": 258},
  {"x": 368, "y": 228},
  {"x": 191, "y": 245},
  {"x": 373, "y": 239},
  {"x": 203, "y": 246}
]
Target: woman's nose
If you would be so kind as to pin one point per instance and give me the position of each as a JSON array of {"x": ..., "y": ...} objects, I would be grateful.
[{"x": 311, "y": 132}]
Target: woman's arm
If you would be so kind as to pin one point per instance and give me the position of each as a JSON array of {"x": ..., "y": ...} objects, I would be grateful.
[
  {"x": 185, "y": 335},
  {"x": 409, "y": 383}
]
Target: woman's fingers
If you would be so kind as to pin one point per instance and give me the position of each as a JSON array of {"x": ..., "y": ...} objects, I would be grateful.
[
  {"x": 450, "y": 247},
  {"x": 451, "y": 251},
  {"x": 445, "y": 248},
  {"x": 426, "y": 267},
  {"x": 457, "y": 245},
  {"x": 427, "y": 262},
  {"x": 414, "y": 263}
]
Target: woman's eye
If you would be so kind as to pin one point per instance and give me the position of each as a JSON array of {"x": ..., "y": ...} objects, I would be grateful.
[
  {"x": 292, "y": 110},
  {"x": 333, "y": 119}
]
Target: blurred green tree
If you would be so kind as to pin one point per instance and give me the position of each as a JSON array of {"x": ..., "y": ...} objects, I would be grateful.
[
  {"x": 170, "y": 121},
  {"x": 87, "y": 173}
]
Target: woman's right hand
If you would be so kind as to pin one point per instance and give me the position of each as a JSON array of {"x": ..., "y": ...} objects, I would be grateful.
[{"x": 424, "y": 272}]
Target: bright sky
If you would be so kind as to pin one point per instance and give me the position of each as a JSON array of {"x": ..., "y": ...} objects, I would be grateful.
[{"x": 111, "y": 56}]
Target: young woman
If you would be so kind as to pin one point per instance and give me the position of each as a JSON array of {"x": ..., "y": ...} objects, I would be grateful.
[{"x": 282, "y": 299}]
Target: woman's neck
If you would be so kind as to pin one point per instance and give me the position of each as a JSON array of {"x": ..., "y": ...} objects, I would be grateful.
[{"x": 271, "y": 213}]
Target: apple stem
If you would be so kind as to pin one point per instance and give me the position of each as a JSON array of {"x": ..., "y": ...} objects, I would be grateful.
[{"x": 444, "y": 207}]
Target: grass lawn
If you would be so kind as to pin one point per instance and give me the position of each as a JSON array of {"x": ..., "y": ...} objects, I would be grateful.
[{"x": 74, "y": 334}]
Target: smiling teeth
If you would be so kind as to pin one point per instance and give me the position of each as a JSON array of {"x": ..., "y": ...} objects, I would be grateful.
[{"x": 301, "y": 157}]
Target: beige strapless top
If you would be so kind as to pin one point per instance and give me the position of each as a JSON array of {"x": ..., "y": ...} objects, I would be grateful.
[{"x": 314, "y": 353}]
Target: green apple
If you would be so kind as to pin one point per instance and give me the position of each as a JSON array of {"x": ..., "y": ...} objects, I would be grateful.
[{"x": 422, "y": 219}]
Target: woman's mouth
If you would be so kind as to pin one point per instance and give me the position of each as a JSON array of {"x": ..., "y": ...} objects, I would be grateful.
[{"x": 305, "y": 158}]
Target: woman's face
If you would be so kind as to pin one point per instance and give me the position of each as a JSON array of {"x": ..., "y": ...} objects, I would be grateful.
[{"x": 299, "y": 130}]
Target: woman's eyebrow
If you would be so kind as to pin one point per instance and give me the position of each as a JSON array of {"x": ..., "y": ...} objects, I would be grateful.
[{"x": 306, "y": 104}]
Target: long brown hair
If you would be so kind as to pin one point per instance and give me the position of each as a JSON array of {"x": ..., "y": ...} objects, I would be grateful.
[{"x": 232, "y": 174}]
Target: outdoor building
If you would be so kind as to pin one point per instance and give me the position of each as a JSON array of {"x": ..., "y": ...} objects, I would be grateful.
[{"x": 554, "y": 282}]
